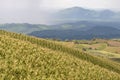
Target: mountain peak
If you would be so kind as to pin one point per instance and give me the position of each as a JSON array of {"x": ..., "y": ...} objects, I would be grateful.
[{"x": 76, "y": 8}]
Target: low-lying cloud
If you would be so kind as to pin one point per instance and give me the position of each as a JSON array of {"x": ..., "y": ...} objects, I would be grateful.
[{"x": 37, "y": 11}]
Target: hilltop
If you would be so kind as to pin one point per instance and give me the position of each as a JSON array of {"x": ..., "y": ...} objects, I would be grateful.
[{"x": 31, "y": 58}]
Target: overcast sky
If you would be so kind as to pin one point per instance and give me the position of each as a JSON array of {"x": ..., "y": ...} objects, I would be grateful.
[{"x": 34, "y": 11}]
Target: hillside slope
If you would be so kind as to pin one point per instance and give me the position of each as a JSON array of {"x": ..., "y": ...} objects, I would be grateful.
[
  {"x": 95, "y": 32},
  {"x": 23, "y": 28},
  {"x": 20, "y": 59}
]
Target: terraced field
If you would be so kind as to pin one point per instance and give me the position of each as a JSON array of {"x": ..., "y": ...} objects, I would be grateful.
[
  {"x": 28, "y": 58},
  {"x": 101, "y": 47}
]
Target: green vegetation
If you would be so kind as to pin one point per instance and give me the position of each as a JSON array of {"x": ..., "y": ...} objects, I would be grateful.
[
  {"x": 29, "y": 58},
  {"x": 23, "y": 28},
  {"x": 104, "y": 48}
]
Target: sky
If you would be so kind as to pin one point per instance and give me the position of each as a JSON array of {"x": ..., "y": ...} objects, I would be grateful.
[{"x": 36, "y": 11}]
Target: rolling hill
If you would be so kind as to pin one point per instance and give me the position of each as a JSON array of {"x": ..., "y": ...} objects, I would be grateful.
[
  {"x": 70, "y": 34},
  {"x": 31, "y": 58},
  {"x": 23, "y": 27},
  {"x": 27, "y": 28}
]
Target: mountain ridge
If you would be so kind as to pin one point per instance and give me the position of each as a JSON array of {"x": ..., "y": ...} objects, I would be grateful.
[
  {"x": 79, "y": 13},
  {"x": 94, "y": 32}
]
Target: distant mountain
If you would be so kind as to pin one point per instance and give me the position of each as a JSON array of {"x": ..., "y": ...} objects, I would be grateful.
[
  {"x": 85, "y": 25},
  {"x": 23, "y": 27},
  {"x": 78, "y": 14},
  {"x": 103, "y": 30},
  {"x": 73, "y": 30},
  {"x": 95, "y": 32}
]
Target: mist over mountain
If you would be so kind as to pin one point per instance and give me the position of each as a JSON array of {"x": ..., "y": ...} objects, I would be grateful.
[
  {"x": 74, "y": 23},
  {"x": 74, "y": 14}
]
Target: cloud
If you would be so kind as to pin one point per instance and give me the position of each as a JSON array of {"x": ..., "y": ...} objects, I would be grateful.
[
  {"x": 21, "y": 11},
  {"x": 110, "y": 4},
  {"x": 34, "y": 11}
]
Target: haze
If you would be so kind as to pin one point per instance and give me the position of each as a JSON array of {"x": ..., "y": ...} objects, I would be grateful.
[{"x": 37, "y": 11}]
